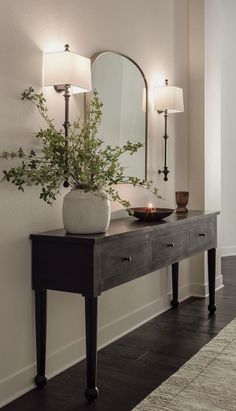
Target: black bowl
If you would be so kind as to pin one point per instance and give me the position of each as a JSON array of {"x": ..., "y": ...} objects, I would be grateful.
[{"x": 152, "y": 215}]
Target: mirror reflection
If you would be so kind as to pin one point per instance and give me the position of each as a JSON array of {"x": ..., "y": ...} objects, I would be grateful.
[{"x": 122, "y": 89}]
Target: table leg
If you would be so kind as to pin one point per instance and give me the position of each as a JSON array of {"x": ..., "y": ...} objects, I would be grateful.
[
  {"x": 41, "y": 328},
  {"x": 212, "y": 279},
  {"x": 175, "y": 284},
  {"x": 91, "y": 391}
]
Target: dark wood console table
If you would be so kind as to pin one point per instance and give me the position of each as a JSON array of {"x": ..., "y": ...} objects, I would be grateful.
[{"x": 91, "y": 264}]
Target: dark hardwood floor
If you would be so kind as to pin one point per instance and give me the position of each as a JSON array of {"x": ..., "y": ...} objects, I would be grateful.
[{"x": 130, "y": 368}]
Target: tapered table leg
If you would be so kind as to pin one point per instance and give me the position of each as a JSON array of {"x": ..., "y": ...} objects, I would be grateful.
[
  {"x": 175, "y": 284},
  {"x": 212, "y": 279},
  {"x": 41, "y": 329},
  {"x": 91, "y": 391}
]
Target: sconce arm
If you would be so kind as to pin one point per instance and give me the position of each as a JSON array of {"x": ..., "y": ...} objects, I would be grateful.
[{"x": 165, "y": 170}]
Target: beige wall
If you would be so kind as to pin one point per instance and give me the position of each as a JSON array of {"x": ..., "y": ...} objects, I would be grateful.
[
  {"x": 220, "y": 149},
  {"x": 228, "y": 126},
  {"x": 204, "y": 124},
  {"x": 212, "y": 124},
  {"x": 155, "y": 34},
  {"x": 196, "y": 127}
]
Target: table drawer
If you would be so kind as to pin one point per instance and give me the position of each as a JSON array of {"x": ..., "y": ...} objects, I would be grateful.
[
  {"x": 201, "y": 235},
  {"x": 167, "y": 249},
  {"x": 121, "y": 258}
]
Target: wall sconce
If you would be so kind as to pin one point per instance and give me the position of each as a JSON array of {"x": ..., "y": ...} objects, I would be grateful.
[
  {"x": 168, "y": 99},
  {"x": 70, "y": 73}
]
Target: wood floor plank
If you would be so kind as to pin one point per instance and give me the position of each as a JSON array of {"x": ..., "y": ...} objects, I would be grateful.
[{"x": 131, "y": 367}]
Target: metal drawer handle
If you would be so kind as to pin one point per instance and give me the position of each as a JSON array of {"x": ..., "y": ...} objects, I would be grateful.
[
  {"x": 129, "y": 259},
  {"x": 202, "y": 234},
  {"x": 171, "y": 245}
]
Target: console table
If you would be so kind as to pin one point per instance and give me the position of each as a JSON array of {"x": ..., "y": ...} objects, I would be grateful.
[{"x": 91, "y": 264}]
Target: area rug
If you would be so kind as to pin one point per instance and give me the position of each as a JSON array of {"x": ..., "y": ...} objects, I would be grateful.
[{"x": 206, "y": 382}]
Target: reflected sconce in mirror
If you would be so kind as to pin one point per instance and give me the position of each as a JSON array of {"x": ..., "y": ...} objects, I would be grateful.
[
  {"x": 168, "y": 99},
  {"x": 70, "y": 73},
  {"x": 144, "y": 100}
]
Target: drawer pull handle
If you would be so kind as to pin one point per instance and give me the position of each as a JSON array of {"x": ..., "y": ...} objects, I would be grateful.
[
  {"x": 129, "y": 259},
  {"x": 171, "y": 245},
  {"x": 202, "y": 235}
]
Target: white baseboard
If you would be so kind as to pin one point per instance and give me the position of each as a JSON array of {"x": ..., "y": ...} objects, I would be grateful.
[
  {"x": 184, "y": 292},
  {"x": 201, "y": 290},
  {"x": 16, "y": 385},
  {"x": 228, "y": 251},
  {"x": 19, "y": 383}
]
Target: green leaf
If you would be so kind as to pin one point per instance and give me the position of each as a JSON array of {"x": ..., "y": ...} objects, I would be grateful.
[{"x": 85, "y": 159}]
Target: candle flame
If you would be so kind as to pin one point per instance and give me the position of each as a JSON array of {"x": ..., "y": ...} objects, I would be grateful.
[{"x": 150, "y": 205}]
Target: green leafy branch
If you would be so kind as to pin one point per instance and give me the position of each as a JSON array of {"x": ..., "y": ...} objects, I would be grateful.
[{"x": 89, "y": 163}]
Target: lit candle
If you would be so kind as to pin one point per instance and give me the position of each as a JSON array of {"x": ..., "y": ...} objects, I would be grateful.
[{"x": 150, "y": 208}]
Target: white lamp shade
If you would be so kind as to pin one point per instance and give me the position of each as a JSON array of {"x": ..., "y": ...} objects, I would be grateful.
[
  {"x": 169, "y": 98},
  {"x": 66, "y": 67}
]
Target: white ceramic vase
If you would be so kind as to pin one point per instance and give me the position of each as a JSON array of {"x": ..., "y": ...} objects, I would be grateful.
[{"x": 85, "y": 213}]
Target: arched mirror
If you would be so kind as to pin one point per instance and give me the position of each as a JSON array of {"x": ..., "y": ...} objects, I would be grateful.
[{"x": 122, "y": 88}]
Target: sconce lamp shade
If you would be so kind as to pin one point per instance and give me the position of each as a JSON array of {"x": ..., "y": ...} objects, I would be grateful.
[
  {"x": 68, "y": 68},
  {"x": 169, "y": 98}
]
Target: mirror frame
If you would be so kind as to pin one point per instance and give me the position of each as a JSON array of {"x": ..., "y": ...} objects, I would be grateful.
[{"x": 88, "y": 98}]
